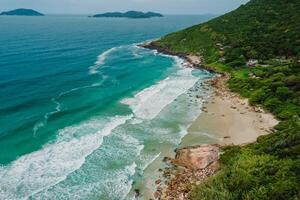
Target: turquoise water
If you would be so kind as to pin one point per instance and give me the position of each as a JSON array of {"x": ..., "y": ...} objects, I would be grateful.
[{"x": 83, "y": 110}]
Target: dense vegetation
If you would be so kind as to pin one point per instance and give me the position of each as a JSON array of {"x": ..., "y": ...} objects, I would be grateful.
[
  {"x": 269, "y": 168},
  {"x": 276, "y": 88},
  {"x": 261, "y": 29},
  {"x": 269, "y": 31}
]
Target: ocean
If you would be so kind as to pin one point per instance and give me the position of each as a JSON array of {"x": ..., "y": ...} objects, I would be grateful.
[{"x": 83, "y": 110}]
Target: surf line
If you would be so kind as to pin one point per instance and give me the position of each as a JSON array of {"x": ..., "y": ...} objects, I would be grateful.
[
  {"x": 101, "y": 60},
  {"x": 103, "y": 56}
]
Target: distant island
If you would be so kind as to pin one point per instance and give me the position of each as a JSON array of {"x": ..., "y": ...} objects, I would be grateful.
[
  {"x": 129, "y": 14},
  {"x": 22, "y": 12}
]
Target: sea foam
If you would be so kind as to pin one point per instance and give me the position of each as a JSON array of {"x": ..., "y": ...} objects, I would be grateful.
[
  {"x": 101, "y": 60},
  {"x": 148, "y": 103},
  {"x": 37, "y": 171}
]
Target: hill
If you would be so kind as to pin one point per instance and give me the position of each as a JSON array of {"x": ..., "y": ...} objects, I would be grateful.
[
  {"x": 22, "y": 12},
  {"x": 129, "y": 14},
  {"x": 261, "y": 29},
  {"x": 258, "y": 46}
]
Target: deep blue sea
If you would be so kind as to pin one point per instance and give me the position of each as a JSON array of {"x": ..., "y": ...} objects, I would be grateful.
[{"x": 83, "y": 110}]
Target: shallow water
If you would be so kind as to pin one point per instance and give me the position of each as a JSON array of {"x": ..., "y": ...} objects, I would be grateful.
[{"x": 83, "y": 110}]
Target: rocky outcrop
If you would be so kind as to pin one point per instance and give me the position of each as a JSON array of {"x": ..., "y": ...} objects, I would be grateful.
[
  {"x": 190, "y": 167},
  {"x": 197, "y": 157},
  {"x": 195, "y": 61}
]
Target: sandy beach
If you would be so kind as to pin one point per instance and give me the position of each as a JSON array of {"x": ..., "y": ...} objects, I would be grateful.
[{"x": 229, "y": 118}]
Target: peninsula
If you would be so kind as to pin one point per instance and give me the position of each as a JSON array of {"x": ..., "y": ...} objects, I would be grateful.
[
  {"x": 255, "y": 49},
  {"x": 22, "y": 12},
  {"x": 129, "y": 14}
]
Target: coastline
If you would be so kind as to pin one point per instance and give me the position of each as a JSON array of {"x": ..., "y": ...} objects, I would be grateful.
[
  {"x": 226, "y": 118},
  {"x": 226, "y": 115},
  {"x": 195, "y": 61}
]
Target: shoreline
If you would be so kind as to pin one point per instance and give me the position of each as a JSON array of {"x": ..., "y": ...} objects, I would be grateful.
[
  {"x": 231, "y": 118},
  {"x": 226, "y": 117},
  {"x": 195, "y": 61}
]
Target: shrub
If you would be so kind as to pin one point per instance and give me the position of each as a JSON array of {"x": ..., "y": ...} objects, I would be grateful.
[
  {"x": 272, "y": 103},
  {"x": 283, "y": 92},
  {"x": 258, "y": 96}
]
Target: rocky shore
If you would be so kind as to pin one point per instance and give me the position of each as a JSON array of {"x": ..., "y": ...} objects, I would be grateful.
[
  {"x": 195, "y": 61},
  {"x": 190, "y": 167}
]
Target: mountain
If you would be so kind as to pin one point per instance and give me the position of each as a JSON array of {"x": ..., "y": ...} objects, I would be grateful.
[
  {"x": 22, "y": 12},
  {"x": 130, "y": 14},
  {"x": 261, "y": 29}
]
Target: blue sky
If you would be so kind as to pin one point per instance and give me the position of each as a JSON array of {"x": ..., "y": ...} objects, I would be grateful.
[{"x": 97, "y": 6}]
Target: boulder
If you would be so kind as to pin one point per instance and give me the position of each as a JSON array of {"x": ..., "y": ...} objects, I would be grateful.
[{"x": 197, "y": 157}]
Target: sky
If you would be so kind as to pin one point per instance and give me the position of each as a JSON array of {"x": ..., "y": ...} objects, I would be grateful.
[{"x": 99, "y": 6}]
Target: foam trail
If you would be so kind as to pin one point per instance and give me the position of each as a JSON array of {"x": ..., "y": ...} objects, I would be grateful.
[
  {"x": 44, "y": 122},
  {"x": 150, "y": 160},
  {"x": 102, "y": 57},
  {"x": 101, "y": 60},
  {"x": 83, "y": 87},
  {"x": 37, "y": 171}
]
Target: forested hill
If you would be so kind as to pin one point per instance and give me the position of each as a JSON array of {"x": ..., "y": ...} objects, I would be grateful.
[
  {"x": 260, "y": 29},
  {"x": 22, "y": 12},
  {"x": 130, "y": 14},
  {"x": 258, "y": 45}
]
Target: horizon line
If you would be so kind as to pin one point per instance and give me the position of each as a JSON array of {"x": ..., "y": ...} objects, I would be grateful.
[{"x": 54, "y": 13}]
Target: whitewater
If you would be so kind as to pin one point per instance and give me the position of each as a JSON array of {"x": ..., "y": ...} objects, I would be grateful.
[
  {"x": 41, "y": 172},
  {"x": 85, "y": 115}
]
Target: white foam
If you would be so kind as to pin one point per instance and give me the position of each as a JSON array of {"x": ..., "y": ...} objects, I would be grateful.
[
  {"x": 101, "y": 60},
  {"x": 52, "y": 164},
  {"x": 148, "y": 160},
  {"x": 115, "y": 184},
  {"x": 135, "y": 51},
  {"x": 130, "y": 171},
  {"x": 148, "y": 103},
  {"x": 42, "y": 123}
]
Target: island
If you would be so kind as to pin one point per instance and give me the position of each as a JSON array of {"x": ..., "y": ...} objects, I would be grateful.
[
  {"x": 129, "y": 14},
  {"x": 22, "y": 12}
]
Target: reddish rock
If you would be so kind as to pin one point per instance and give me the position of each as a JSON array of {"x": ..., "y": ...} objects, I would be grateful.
[
  {"x": 197, "y": 157},
  {"x": 157, "y": 182}
]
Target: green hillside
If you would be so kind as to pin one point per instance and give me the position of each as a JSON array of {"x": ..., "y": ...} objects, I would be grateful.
[
  {"x": 267, "y": 32},
  {"x": 260, "y": 29}
]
